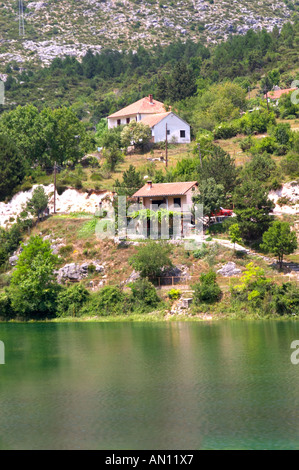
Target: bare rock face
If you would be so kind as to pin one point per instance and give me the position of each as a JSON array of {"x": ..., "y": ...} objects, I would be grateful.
[
  {"x": 76, "y": 272},
  {"x": 13, "y": 260},
  {"x": 229, "y": 270}
]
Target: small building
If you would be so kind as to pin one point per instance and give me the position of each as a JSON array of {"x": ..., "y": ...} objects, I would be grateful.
[
  {"x": 153, "y": 113},
  {"x": 137, "y": 111},
  {"x": 276, "y": 94},
  {"x": 176, "y": 129},
  {"x": 176, "y": 197},
  {"x": 171, "y": 195}
]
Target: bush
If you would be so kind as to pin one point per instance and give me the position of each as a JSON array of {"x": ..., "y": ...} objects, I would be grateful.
[
  {"x": 144, "y": 295},
  {"x": 151, "y": 258},
  {"x": 6, "y": 310},
  {"x": 96, "y": 177},
  {"x": 225, "y": 130},
  {"x": 286, "y": 299},
  {"x": 290, "y": 165},
  {"x": 107, "y": 301},
  {"x": 174, "y": 294},
  {"x": 201, "y": 253},
  {"x": 206, "y": 290},
  {"x": 71, "y": 300}
]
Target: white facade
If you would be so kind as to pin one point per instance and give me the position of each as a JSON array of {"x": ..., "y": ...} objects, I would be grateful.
[
  {"x": 178, "y": 131},
  {"x": 123, "y": 120}
]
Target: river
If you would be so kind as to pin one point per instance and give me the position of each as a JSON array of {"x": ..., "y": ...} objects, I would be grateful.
[{"x": 168, "y": 385}]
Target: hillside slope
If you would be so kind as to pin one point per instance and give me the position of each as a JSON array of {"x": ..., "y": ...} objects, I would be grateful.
[{"x": 58, "y": 27}]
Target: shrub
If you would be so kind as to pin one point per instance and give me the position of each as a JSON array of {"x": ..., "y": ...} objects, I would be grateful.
[
  {"x": 151, "y": 258},
  {"x": 107, "y": 301},
  {"x": 71, "y": 300},
  {"x": 207, "y": 290},
  {"x": 290, "y": 165},
  {"x": 254, "y": 286},
  {"x": 144, "y": 295},
  {"x": 6, "y": 310},
  {"x": 285, "y": 300},
  {"x": 201, "y": 253},
  {"x": 96, "y": 177},
  {"x": 174, "y": 294}
]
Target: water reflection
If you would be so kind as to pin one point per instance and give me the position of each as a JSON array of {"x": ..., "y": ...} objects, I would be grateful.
[{"x": 149, "y": 386}]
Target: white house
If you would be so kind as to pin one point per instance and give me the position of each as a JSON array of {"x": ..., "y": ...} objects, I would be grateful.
[
  {"x": 136, "y": 111},
  {"x": 154, "y": 114},
  {"x": 176, "y": 129}
]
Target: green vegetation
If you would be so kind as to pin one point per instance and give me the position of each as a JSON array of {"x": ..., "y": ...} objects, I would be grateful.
[
  {"x": 207, "y": 290},
  {"x": 151, "y": 258},
  {"x": 241, "y": 149},
  {"x": 279, "y": 240}
]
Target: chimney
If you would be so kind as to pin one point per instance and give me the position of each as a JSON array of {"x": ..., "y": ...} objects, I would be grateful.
[
  {"x": 149, "y": 185},
  {"x": 151, "y": 99}
]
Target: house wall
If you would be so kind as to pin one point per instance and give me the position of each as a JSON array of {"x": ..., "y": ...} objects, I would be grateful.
[
  {"x": 174, "y": 125},
  {"x": 112, "y": 122},
  {"x": 186, "y": 201}
]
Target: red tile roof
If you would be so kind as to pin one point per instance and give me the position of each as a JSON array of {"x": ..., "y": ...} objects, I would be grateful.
[
  {"x": 276, "y": 94},
  {"x": 153, "y": 119},
  {"x": 143, "y": 106},
  {"x": 165, "y": 189}
]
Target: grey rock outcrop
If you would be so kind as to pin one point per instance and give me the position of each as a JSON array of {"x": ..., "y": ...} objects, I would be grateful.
[
  {"x": 229, "y": 270},
  {"x": 13, "y": 260},
  {"x": 76, "y": 272}
]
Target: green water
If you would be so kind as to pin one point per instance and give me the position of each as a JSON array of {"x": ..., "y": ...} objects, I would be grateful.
[{"x": 222, "y": 385}]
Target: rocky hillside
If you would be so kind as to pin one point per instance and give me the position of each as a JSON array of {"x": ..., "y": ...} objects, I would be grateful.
[{"x": 58, "y": 27}]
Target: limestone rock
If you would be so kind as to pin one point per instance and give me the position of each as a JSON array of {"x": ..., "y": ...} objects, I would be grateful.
[{"x": 229, "y": 270}]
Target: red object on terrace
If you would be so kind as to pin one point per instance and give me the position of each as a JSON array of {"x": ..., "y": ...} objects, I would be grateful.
[{"x": 223, "y": 212}]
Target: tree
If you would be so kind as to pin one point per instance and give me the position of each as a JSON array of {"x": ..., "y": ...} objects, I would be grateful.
[
  {"x": 113, "y": 156},
  {"x": 137, "y": 134},
  {"x": 182, "y": 82},
  {"x": 24, "y": 127},
  {"x": 211, "y": 196},
  {"x": 49, "y": 136},
  {"x": 33, "y": 290},
  {"x": 252, "y": 207},
  {"x": 206, "y": 290},
  {"x": 221, "y": 165},
  {"x": 260, "y": 167},
  {"x": 38, "y": 202},
  {"x": 151, "y": 258},
  {"x": 235, "y": 234},
  {"x": 110, "y": 138},
  {"x": 12, "y": 167},
  {"x": 65, "y": 136},
  {"x": 280, "y": 240},
  {"x": 132, "y": 181}
]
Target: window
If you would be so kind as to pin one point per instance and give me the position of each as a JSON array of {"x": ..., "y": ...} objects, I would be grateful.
[
  {"x": 183, "y": 134},
  {"x": 177, "y": 201},
  {"x": 118, "y": 122},
  {"x": 157, "y": 203},
  {"x": 128, "y": 120}
]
